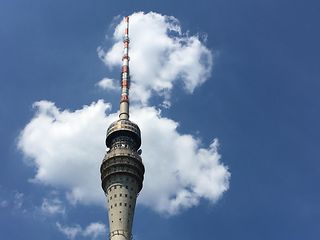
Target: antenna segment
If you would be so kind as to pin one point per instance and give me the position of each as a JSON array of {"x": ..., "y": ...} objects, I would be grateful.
[{"x": 125, "y": 76}]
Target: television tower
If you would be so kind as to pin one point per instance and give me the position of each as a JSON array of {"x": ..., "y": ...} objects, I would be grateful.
[{"x": 122, "y": 168}]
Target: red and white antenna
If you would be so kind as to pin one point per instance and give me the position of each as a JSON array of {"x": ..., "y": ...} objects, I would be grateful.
[{"x": 125, "y": 76}]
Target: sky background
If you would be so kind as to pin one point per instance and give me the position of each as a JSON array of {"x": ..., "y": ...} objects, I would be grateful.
[{"x": 261, "y": 102}]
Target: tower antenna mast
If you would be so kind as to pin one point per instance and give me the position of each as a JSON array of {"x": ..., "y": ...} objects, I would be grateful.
[{"x": 125, "y": 74}]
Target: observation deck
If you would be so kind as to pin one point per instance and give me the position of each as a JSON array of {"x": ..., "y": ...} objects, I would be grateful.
[{"x": 123, "y": 127}]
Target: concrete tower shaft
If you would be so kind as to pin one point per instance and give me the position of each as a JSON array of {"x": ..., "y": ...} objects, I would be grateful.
[{"x": 122, "y": 169}]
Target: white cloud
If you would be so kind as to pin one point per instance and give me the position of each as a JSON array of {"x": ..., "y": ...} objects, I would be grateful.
[
  {"x": 161, "y": 54},
  {"x": 52, "y": 206},
  {"x": 69, "y": 232},
  {"x": 92, "y": 231},
  {"x": 107, "y": 84},
  {"x": 4, "y": 203},
  {"x": 178, "y": 172},
  {"x": 67, "y": 148},
  {"x": 12, "y": 199},
  {"x": 18, "y": 200}
]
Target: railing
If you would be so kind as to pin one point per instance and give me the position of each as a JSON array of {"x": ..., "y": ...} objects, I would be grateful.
[
  {"x": 123, "y": 163},
  {"x": 120, "y": 232},
  {"x": 127, "y": 153}
]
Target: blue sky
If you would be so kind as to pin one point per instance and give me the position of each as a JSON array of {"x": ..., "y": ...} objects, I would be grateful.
[{"x": 261, "y": 102}]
